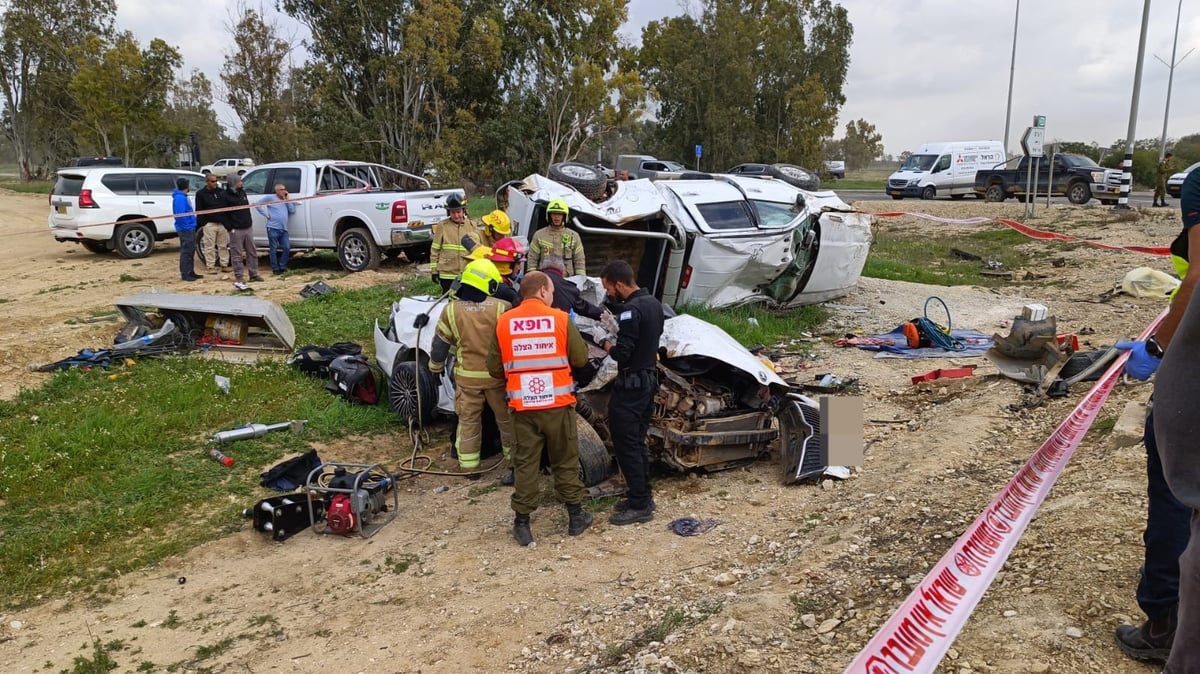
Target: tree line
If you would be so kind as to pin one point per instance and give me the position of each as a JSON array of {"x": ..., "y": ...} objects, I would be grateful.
[{"x": 481, "y": 90}]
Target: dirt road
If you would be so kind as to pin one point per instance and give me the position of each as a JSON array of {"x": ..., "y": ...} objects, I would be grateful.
[{"x": 794, "y": 579}]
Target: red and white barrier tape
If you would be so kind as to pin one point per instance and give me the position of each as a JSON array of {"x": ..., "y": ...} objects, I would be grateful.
[
  {"x": 918, "y": 634},
  {"x": 1031, "y": 232}
]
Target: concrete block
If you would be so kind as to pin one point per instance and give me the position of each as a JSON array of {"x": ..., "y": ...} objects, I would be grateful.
[{"x": 1129, "y": 427}]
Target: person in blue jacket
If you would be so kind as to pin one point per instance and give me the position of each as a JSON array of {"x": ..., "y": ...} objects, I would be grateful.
[{"x": 185, "y": 226}]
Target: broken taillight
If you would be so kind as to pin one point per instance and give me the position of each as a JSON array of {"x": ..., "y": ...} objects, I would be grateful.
[
  {"x": 687, "y": 277},
  {"x": 86, "y": 200}
]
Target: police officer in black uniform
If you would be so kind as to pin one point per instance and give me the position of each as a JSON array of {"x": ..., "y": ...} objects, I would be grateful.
[{"x": 632, "y": 400}]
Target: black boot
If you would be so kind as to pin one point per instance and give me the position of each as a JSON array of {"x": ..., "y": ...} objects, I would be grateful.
[
  {"x": 521, "y": 530},
  {"x": 1151, "y": 641},
  {"x": 578, "y": 520},
  {"x": 623, "y": 505},
  {"x": 508, "y": 479}
]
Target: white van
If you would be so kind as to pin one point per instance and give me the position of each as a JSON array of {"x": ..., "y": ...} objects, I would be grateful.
[{"x": 944, "y": 169}]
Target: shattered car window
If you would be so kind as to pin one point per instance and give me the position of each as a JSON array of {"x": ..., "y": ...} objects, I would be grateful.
[
  {"x": 727, "y": 215},
  {"x": 772, "y": 214}
]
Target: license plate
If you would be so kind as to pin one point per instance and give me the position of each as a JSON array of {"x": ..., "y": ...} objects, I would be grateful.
[{"x": 62, "y": 210}]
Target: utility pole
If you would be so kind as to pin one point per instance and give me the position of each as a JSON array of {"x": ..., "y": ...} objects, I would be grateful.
[
  {"x": 1162, "y": 145},
  {"x": 1127, "y": 166},
  {"x": 1012, "y": 71}
]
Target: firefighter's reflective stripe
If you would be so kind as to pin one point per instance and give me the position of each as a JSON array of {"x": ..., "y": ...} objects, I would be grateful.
[
  {"x": 533, "y": 349},
  {"x": 473, "y": 326}
]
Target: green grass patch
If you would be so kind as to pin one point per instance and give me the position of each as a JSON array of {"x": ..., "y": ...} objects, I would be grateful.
[
  {"x": 101, "y": 477},
  {"x": 670, "y": 621},
  {"x": 128, "y": 278},
  {"x": 478, "y": 207},
  {"x": 901, "y": 256},
  {"x": 31, "y": 187},
  {"x": 754, "y": 325}
]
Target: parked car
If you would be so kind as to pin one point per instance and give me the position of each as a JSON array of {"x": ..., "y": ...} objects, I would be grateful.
[
  {"x": 223, "y": 168},
  {"x": 717, "y": 240},
  {"x": 836, "y": 168},
  {"x": 644, "y": 166},
  {"x": 718, "y": 405},
  {"x": 96, "y": 161},
  {"x": 788, "y": 173},
  {"x": 107, "y": 208},
  {"x": 1175, "y": 182},
  {"x": 361, "y": 210}
]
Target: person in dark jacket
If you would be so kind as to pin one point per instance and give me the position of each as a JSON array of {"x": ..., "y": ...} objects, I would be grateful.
[
  {"x": 241, "y": 234},
  {"x": 1168, "y": 591},
  {"x": 214, "y": 234},
  {"x": 566, "y": 294},
  {"x": 632, "y": 401}
]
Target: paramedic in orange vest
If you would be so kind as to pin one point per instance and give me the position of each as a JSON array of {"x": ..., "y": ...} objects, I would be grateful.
[
  {"x": 536, "y": 345},
  {"x": 468, "y": 326}
]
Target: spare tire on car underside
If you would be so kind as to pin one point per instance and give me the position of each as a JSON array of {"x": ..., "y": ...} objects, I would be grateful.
[
  {"x": 797, "y": 176},
  {"x": 586, "y": 179}
]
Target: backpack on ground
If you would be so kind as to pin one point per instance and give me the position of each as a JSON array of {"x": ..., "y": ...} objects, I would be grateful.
[
  {"x": 315, "y": 360},
  {"x": 357, "y": 380}
]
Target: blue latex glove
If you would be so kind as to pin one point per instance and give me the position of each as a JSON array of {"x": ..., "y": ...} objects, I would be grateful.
[{"x": 1141, "y": 365}]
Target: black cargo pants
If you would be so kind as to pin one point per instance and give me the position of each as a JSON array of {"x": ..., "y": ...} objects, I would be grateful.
[{"x": 630, "y": 405}]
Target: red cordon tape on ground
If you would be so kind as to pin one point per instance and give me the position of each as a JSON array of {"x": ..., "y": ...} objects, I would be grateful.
[
  {"x": 918, "y": 634},
  {"x": 1032, "y": 232}
]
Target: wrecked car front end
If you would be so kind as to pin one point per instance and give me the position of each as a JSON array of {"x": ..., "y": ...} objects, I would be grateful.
[{"x": 718, "y": 405}]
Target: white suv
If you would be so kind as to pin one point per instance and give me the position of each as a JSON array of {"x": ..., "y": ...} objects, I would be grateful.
[
  {"x": 115, "y": 208},
  {"x": 223, "y": 168}
]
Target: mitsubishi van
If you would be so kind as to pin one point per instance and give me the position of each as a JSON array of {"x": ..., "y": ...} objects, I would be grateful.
[{"x": 944, "y": 169}]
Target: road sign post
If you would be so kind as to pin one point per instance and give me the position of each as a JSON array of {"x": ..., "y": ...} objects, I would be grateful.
[{"x": 699, "y": 153}]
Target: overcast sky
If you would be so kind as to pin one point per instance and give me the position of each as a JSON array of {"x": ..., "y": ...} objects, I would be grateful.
[{"x": 922, "y": 70}]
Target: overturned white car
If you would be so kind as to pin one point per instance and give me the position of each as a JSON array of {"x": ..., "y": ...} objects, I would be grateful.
[
  {"x": 716, "y": 240},
  {"x": 718, "y": 405}
]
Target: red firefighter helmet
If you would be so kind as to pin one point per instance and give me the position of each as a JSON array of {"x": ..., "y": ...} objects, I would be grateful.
[{"x": 508, "y": 250}]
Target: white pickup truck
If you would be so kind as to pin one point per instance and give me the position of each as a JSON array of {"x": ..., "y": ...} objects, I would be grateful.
[{"x": 361, "y": 210}]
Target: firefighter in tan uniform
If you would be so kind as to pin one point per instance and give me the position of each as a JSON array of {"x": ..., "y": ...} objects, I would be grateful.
[
  {"x": 534, "y": 347},
  {"x": 447, "y": 253},
  {"x": 557, "y": 240},
  {"x": 468, "y": 325}
]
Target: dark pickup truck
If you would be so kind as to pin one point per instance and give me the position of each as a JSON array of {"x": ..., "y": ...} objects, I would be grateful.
[{"x": 1075, "y": 176}]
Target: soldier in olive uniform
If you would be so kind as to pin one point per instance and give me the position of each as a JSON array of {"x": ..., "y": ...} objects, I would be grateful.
[{"x": 1165, "y": 168}]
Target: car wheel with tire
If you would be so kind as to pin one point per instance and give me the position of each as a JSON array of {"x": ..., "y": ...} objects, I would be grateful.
[
  {"x": 595, "y": 464},
  {"x": 1079, "y": 193},
  {"x": 928, "y": 193},
  {"x": 357, "y": 251},
  {"x": 412, "y": 391},
  {"x": 796, "y": 176},
  {"x": 587, "y": 180},
  {"x": 134, "y": 240},
  {"x": 995, "y": 193}
]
